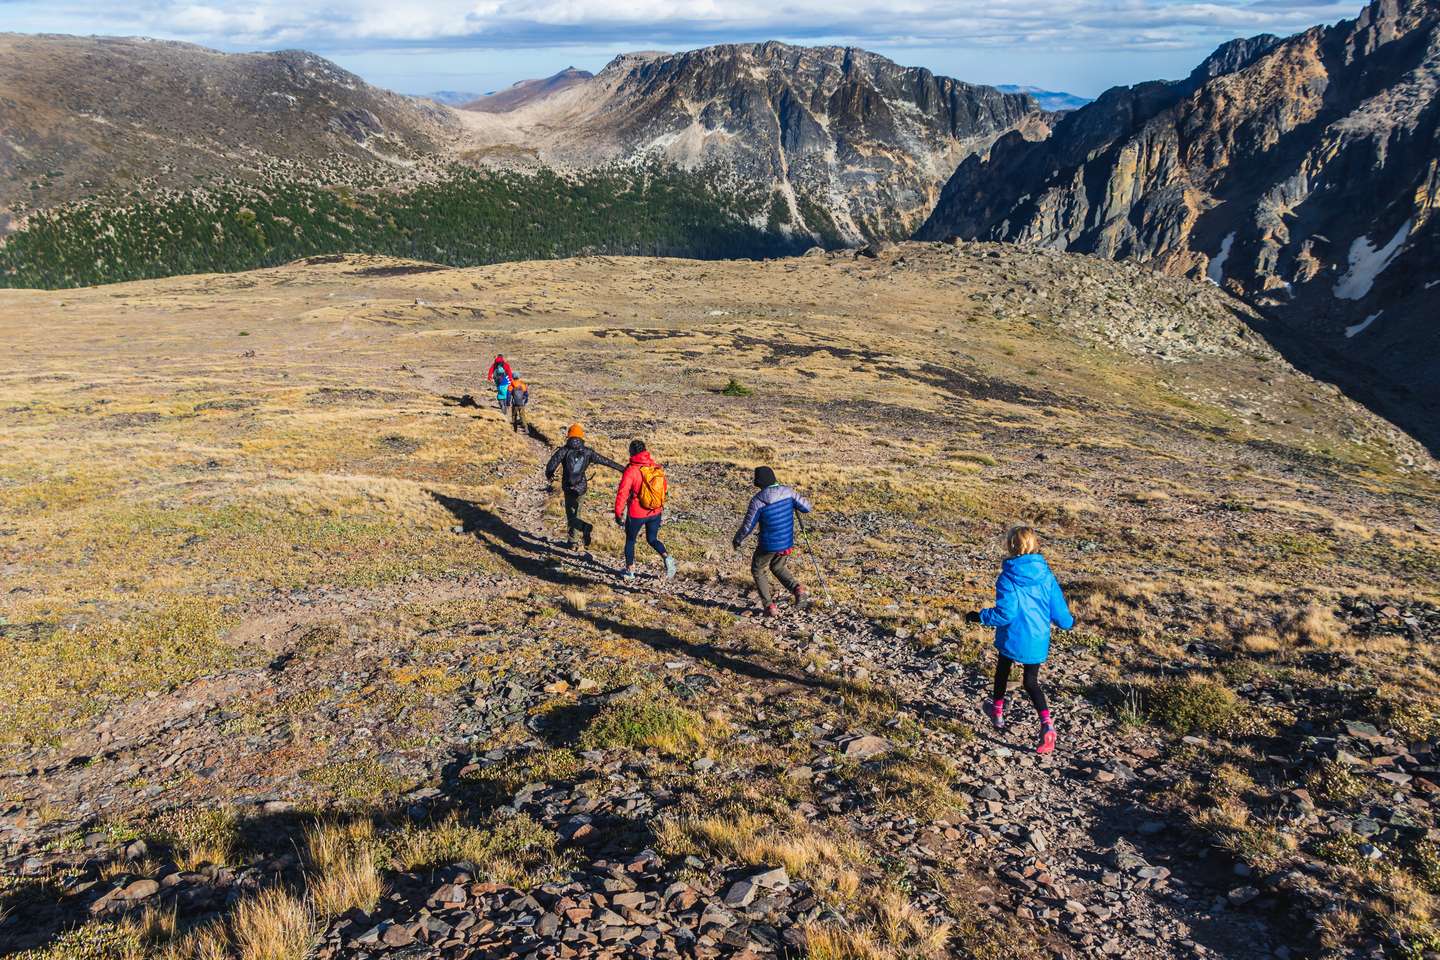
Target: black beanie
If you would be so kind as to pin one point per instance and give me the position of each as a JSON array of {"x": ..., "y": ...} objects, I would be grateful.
[{"x": 765, "y": 477}]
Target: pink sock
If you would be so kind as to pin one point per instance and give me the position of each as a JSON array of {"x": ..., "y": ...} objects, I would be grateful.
[{"x": 1045, "y": 718}]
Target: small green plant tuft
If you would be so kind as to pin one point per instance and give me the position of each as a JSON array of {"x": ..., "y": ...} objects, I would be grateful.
[
  {"x": 736, "y": 389},
  {"x": 636, "y": 725},
  {"x": 1193, "y": 705},
  {"x": 1335, "y": 784}
]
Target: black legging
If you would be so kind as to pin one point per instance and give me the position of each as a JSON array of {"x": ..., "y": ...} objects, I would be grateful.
[{"x": 1032, "y": 682}]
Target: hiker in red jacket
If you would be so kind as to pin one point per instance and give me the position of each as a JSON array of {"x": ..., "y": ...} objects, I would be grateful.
[
  {"x": 640, "y": 503},
  {"x": 503, "y": 364}
]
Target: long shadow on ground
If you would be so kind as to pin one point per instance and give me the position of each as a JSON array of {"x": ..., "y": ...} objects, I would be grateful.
[{"x": 527, "y": 553}]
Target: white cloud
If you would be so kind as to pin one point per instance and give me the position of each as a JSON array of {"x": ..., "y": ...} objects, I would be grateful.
[{"x": 497, "y": 24}]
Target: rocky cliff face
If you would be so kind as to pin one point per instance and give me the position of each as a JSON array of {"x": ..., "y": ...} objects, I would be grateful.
[
  {"x": 853, "y": 145},
  {"x": 1300, "y": 173},
  {"x": 85, "y": 115}
]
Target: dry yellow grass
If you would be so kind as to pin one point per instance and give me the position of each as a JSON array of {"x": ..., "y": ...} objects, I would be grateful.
[
  {"x": 343, "y": 874},
  {"x": 273, "y": 925}
]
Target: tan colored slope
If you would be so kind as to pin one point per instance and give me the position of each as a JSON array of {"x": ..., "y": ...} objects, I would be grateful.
[{"x": 228, "y": 514}]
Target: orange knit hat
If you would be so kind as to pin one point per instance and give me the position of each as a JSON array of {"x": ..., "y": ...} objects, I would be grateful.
[{"x": 575, "y": 432}]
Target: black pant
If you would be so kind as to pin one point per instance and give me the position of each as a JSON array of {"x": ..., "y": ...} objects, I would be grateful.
[
  {"x": 1032, "y": 682},
  {"x": 651, "y": 526},
  {"x": 573, "y": 523}
]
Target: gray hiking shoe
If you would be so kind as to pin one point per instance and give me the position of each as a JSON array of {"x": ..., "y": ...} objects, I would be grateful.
[
  {"x": 628, "y": 575},
  {"x": 670, "y": 567}
]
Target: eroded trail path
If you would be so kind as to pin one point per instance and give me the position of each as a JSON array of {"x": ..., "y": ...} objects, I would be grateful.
[
  {"x": 873, "y": 741},
  {"x": 835, "y": 749}
]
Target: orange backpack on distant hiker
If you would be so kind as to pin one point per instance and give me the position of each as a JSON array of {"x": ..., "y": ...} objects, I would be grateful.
[{"x": 653, "y": 487}]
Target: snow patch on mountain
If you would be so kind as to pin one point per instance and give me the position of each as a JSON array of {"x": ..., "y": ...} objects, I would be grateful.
[
  {"x": 1216, "y": 270},
  {"x": 1363, "y": 325},
  {"x": 1367, "y": 263}
]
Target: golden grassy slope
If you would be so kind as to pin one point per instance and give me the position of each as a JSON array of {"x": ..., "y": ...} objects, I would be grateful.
[{"x": 174, "y": 447}]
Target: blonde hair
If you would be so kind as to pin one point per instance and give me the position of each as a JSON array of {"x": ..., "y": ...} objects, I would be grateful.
[{"x": 1021, "y": 540}]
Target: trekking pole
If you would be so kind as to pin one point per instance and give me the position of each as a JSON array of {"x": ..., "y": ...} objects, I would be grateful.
[{"x": 819, "y": 575}]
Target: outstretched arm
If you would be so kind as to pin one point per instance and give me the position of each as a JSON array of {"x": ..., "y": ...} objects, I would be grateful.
[
  {"x": 1006, "y": 605},
  {"x": 622, "y": 493},
  {"x": 1059, "y": 609},
  {"x": 752, "y": 514},
  {"x": 606, "y": 462}
]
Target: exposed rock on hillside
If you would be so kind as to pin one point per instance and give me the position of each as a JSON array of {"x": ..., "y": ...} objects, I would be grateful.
[
  {"x": 853, "y": 145},
  {"x": 1301, "y": 173}
]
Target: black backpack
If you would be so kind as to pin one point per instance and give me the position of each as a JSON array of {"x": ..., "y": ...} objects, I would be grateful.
[{"x": 576, "y": 464}]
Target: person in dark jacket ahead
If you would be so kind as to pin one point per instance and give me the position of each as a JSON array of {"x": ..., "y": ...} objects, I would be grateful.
[
  {"x": 576, "y": 458},
  {"x": 773, "y": 510}
]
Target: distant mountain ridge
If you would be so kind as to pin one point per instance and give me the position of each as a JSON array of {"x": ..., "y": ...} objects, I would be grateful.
[
  {"x": 453, "y": 98},
  {"x": 525, "y": 91},
  {"x": 1302, "y": 173},
  {"x": 85, "y": 115},
  {"x": 1055, "y": 101}
]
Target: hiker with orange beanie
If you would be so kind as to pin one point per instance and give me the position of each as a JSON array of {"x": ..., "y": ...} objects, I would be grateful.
[
  {"x": 576, "y": 457},
  {"x": 519, "y": 400},
  {"x": 640, "y": 505}
]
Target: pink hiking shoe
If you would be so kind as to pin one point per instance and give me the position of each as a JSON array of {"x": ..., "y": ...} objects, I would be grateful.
[
  {"x": 996, "y": 712},
  {"x": 1047, "y": 740}
]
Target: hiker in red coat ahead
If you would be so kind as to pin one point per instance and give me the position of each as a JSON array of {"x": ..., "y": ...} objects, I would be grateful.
[
  {"x": 640, "y": 504},
  {"x": 503, "y": 364}
]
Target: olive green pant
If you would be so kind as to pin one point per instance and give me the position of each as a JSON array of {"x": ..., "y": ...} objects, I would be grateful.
[{"x": 776, "y": 563}]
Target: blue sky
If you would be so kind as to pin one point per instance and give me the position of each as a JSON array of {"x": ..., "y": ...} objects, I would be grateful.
[{"x": 1082, "y": 46}]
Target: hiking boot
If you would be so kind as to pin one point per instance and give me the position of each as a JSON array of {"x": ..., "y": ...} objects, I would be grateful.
[
  {"x": 802, "y": 597},
  {"x": 670, "y": 567},
  {"x": 995, "y": 713},
  {"x": 628, "y": 576},
  {"x": 585, "y": 536},
  {"x": 772, "y": 611},
  {"x": 1047, "y": 739}
]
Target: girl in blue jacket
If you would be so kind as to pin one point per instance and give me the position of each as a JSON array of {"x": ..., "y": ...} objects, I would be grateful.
[{"x": 1028, "y": 600}]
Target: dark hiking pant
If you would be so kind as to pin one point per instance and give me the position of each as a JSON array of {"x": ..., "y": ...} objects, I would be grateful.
[
  {"x": 517, "y": 416},
  {"x": 651, "y": 526},
  {"x": 776, "y": 563},
  {"x": 573, "y": 523},
  {"x": 1032, "y": 682}
]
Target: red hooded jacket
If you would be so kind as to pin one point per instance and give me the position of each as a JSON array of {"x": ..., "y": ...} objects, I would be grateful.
[
  {"x": 628, "y": 496},
  {"x": 500, "y": 362}
]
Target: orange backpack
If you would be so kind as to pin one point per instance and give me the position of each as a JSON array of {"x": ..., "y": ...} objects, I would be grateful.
[{"x": 652, "y": 487}]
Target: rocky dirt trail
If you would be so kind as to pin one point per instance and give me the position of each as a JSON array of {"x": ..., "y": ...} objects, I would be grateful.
[{"x": 1069, "y": 840}]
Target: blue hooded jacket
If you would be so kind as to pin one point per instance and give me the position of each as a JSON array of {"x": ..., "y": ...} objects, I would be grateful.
[
  {"x": 773, "y": 509},
  {"x": 1028, "y": 599}
]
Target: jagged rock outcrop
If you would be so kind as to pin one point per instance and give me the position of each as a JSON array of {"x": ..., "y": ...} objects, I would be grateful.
[
  {"x": 85, "y": 115},
  {"x": 853, "y": 146},
  {"x": 1300, "y": 173}
]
